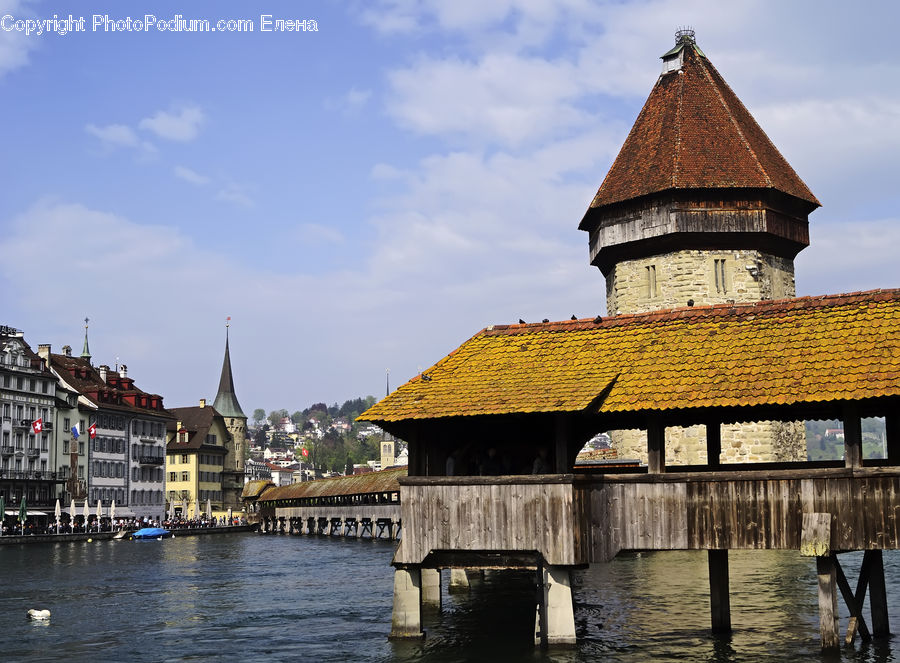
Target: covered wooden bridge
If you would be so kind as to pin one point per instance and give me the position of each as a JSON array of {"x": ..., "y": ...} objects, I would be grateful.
[
  {"x": 530, "y": 393},
  {"x": 357, "y": 505}
]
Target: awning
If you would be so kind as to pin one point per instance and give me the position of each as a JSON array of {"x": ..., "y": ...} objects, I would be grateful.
[{"x": 15, "y": 512}]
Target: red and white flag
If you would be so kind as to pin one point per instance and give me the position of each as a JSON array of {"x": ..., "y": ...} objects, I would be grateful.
[
  {"x": 92, "y": 431},
  {"x": 305, "y": 451},
  {"x": 37, "y": 426}
]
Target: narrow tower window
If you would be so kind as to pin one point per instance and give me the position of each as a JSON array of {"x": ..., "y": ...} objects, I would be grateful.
[
  {"x": 719, "y": 268},
  {"x": 651, "y": 281}
]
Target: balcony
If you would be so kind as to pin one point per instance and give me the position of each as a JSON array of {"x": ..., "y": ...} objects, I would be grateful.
[
  {"x": 28, "y": 475},
  {"x": 48, "y": 425},
  {"x": 33, "y": 453},
  {"x": 7, "y": 450},
  {"x": 152, "y": 460},
  {"x": 19, "y": 424}
]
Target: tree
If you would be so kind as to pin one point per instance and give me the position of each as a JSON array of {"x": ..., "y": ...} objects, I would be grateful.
[
  {"x": 259, "y": 415},
  {"x": 275, "y": 417},
  {"x": 297, "y": 417}
]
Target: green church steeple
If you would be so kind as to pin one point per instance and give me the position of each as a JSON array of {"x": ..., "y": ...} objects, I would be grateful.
[
  {"x": 226, "y": 402},
  {"x": 86, "y": 351}
]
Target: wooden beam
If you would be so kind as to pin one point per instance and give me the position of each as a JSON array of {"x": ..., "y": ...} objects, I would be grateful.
[
  {"x": 828, "y": 610},
  {"x": 656, "y": 447},
  {"x": 854, "y": 605},
  {"x": 852, "y": 435},
  {"x": 713, "y": 442},
  {"x": 892, "y": 434},
  {"x": 877, "y": 594},
  {"x": 719, "y": 597}
]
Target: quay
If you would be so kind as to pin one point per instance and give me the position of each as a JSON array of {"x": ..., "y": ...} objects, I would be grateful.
[{"x": 17, "y": 539}]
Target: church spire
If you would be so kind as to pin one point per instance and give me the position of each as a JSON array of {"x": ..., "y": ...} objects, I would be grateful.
[
  {"x": 86, "y": 351},
  {"x": 226, "y": 402}
]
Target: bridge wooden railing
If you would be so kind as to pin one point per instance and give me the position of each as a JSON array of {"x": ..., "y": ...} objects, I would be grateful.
[
  {"x": 545, "y": 514},
  {"x": 733, "y": 509}
]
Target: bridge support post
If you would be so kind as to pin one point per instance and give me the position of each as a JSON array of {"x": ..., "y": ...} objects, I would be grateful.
[
  {"x": 406, "y": 618},
  {"x": 877, "y": 594},
  {"x": 828, "y": 608},
  {"x": 459, "y": 580},
  {"x": 555, "y": 618},
  {"x": 719, "y": 598},
  {"x": 431, "y": 588}
]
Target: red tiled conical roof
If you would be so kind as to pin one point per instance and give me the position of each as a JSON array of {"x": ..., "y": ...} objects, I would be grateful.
[{"x": 694, "y": 133}]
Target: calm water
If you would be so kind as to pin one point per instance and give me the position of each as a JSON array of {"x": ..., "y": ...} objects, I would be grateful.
[{"x": 280, "y": 598}]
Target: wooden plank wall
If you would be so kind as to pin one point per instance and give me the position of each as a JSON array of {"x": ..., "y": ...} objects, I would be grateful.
[
  {"x": 486, "y": 516},
  {"x": 742, "y": 513}
]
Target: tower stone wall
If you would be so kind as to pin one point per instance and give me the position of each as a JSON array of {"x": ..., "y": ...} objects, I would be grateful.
[
  {"x": 706, "y": 277},
  {"x": 703, "y": 277}
]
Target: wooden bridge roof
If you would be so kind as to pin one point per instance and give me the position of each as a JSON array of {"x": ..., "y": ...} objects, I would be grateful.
[
  {"x": 384, "y": 481},
  {"x": 794, "y": 351}
]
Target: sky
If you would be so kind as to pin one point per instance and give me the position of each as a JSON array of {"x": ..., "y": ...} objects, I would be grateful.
[{"x": 365, "y": 195}]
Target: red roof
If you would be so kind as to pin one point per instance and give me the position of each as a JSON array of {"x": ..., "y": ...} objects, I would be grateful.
[{"x": 694, "y": 133}]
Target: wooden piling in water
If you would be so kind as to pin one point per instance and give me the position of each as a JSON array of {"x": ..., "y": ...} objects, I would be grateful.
[{"x": 719, "y": 597}]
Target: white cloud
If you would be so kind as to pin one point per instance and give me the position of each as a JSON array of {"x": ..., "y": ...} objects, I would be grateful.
[
  {"x": 113, "y": 136},
  {"x": 316, "y": 233},
  {"x": 234, "y": 194},
  {"x": 849, "y": 256},
  {"x": 182, "y": 125},
  {"x": 15, "y": 46},
  {"x": 500, "y": 97},
  {"x": 192, "y": 176}
]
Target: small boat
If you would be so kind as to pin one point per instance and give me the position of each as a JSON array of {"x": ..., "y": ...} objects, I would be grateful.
[{"x": 152, "y": 533}]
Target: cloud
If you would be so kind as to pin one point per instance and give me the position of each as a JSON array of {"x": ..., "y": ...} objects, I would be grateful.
[
  {"x": 15, "y": 46},
  {"x": 234, "y": 194},
  {"x": 114, "y": 136},
  {"x": 849, "y": 256},
  {"x": 182, "y": 125},
  {"x": 192, "y": 176},
  {"x": 499, "y": 97},
  {"x": 316, "y": 233}
]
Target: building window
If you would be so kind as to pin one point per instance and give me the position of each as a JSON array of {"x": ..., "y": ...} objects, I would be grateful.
[
  {"x": 65, "y": 446},
  {"x": 66, "y": 425},
  {"x": 185, "y": 476},
  {"x": 651, "y": 281},
  {"x": 184, "y": 458},
  {"x": 719, "y": 270}
]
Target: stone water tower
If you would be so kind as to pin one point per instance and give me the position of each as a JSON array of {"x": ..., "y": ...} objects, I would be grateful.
[{"x": 699, "y": 208}]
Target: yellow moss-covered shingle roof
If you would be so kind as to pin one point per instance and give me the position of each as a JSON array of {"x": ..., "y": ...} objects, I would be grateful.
[{"x": 803, "y": 350}]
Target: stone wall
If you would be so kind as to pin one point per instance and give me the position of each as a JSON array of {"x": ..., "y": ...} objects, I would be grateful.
[
  {"x": 706, "y": 277},
  {"x": 758, "y": 442}
]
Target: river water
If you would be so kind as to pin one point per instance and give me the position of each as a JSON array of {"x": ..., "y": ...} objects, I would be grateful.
[{"x": 287, "y": 598}]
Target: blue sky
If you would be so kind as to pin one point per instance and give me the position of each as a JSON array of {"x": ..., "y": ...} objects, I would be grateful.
[{"x": 368, "y": 195}]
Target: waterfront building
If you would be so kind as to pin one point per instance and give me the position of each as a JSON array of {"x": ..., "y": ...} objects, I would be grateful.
[
  {"x": 227, "y": 405},
  {"x": 699, "y": 208},
  {"x": 122, "y": 429},
  {"x": 28, "y": 406},
  {"x": 196, "y": 459},
  {"x": 256, "y": 470}
]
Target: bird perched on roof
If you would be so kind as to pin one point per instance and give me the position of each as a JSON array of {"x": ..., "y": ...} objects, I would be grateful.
[
  {"x": 426, "y": 377},
  {"x": 546, "y": 320},
  {"x": 521, "y": 321},
  {"x": 574, "y": 317},
  {"x": 598, "y": 319}
]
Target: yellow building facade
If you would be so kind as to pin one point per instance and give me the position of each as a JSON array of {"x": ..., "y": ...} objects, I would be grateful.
[{"x": 197, "y": 448}]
